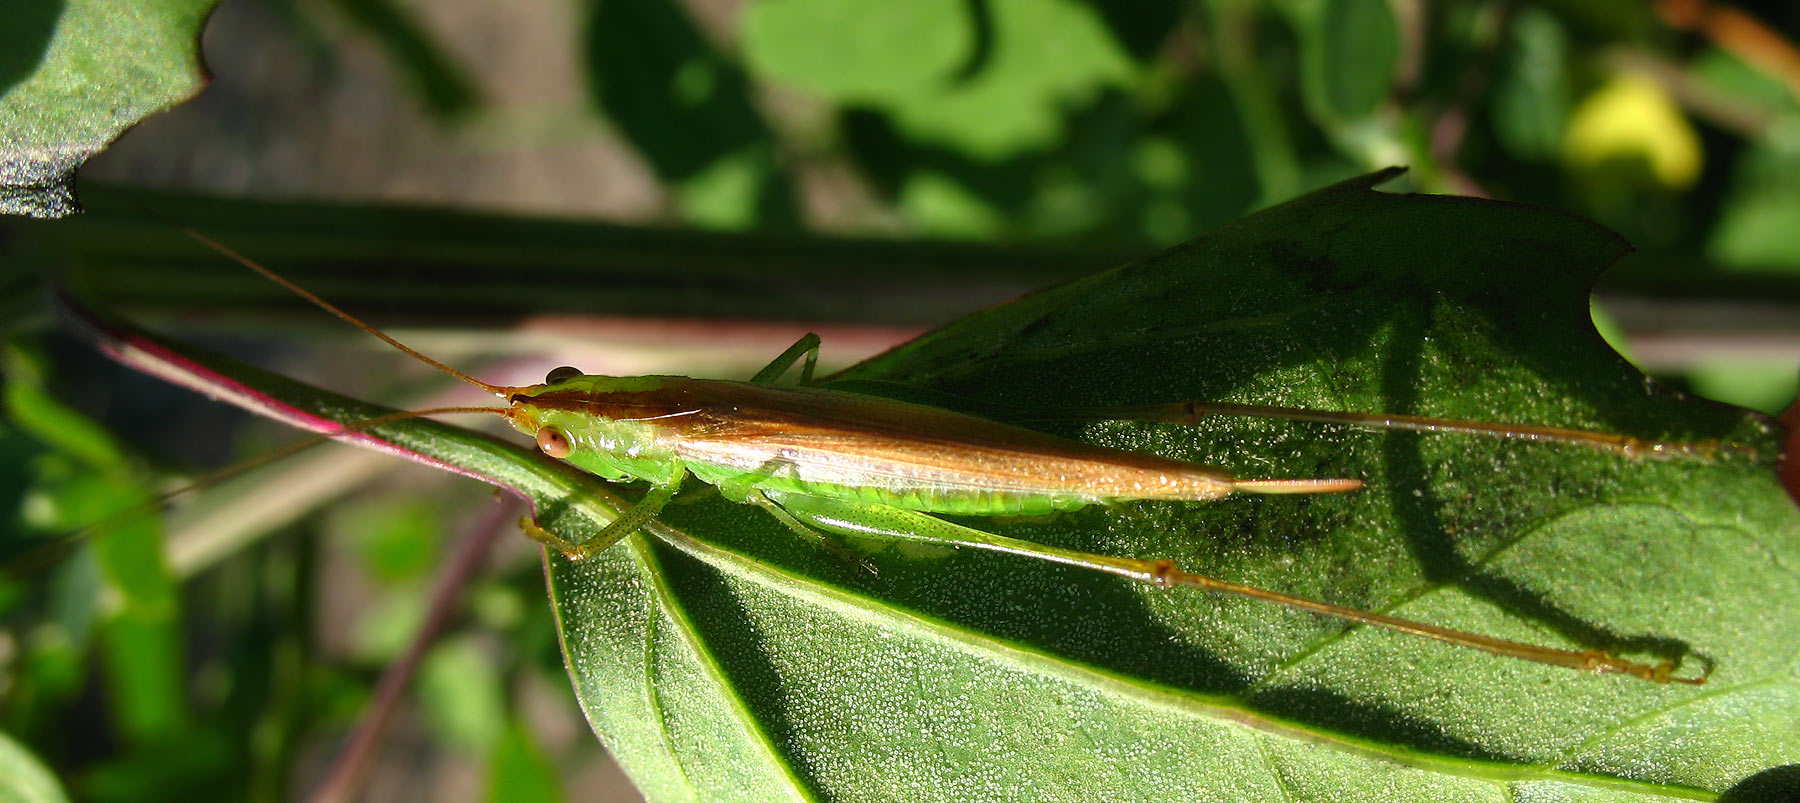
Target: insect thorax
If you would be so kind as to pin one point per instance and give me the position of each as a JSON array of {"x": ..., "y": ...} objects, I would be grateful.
[{"x": 616, "y": 449}]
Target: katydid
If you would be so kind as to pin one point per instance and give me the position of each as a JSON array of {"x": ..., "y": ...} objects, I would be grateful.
[{"x": 831, "y": 464}]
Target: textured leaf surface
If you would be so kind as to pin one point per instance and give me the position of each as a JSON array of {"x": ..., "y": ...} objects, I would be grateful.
[
  {"x": 977, "y": 677},
  {"x": 74, "y": 74},
  {"x": 719, "y": 657}
]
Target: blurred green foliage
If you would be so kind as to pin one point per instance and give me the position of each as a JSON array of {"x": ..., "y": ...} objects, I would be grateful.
[{"x": 1135, "y": 125}]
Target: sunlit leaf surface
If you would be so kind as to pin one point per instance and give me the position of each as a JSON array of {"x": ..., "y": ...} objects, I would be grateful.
[{"x": 74, "y": 74}]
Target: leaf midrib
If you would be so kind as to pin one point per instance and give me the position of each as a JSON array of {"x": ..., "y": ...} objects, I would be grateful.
[{"x": 696, "y": 643}]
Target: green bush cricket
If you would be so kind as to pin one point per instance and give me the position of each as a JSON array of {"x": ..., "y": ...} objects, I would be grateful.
[{"x": 830, "y": 464}]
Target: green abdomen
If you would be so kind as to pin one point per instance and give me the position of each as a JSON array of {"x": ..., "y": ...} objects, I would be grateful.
[{"x": 900, "y": 492}]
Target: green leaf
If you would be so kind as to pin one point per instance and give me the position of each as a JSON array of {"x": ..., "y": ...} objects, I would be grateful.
[
  {"x": 24, "y": 779},
  {"x": 1531, "y": 92},
  {"x": 518, "y": 771},
  {"x": 687, "y": 107},
  {"x": 1755, "y": 231},
  {"x": 766, "y": 669},
  {"x": 858, "y": 51},
  {"x": 1767, "y": 385},
  {"x": 76, "y": 73},
  {"x": 144, "y": 673},
  {"x": 993, "y": 79},
  {"x": 87, "y": 481},
  {"x": 1349, "y": 52},
  {"x": 461, "y": 692},
  {"x": 719, "y": 657}
]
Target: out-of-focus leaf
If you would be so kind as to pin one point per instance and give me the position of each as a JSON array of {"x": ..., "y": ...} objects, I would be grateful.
[
  {"x": 145, "y": 674},
  {"x": 1767, "y": 385},
  {"x": 1759, "y": 231},
  {"x": 725, "y": 195},
  {"x": 993, "y": 79},
  {"x": 173, "y": 769},
  {"x": 441, "y": 82},
  {"x": 90, "y": 483},
  {"x": 397, "y": 541},
  {"x": 854, "y": 52},
  {"x": 941, "y": 206},
  {"x": 1531, "y": 91},
  {"x": 24, "y": 779},
  {"x": 461, "y": 692},
  {"x": 1728, "y": 75},
  {"x": 1349, "y": 51},
  {"x": 1756, "y": 229},
  {"x": 50, "y": 421},
  {"x": 76, "y": 73},
  {"x": 518, "y": 772},
  {"x": 686, "y": 107},
  {"x": 385, "y": 627}
]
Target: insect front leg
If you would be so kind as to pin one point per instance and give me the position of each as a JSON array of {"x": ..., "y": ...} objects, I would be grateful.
[
  {"x": 628, "y": 522},
  {"x": 861, "y": 519},
  {"x": 807, "y": 346}
]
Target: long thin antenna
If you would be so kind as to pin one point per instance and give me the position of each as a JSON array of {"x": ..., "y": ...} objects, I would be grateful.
[{"x": 502, "y": 391}]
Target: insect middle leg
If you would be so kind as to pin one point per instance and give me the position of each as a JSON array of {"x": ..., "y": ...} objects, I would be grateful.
[
  {"x": 744, "y": 489},
  {"x": 758, "y": 498},
  {"x": 862, "y": 519},
  {"x": 807, "y": 346}
]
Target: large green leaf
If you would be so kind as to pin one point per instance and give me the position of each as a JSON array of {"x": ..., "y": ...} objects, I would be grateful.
[
  {"x": 721, "y": 658},
  {"x": 76, "y": 73},
  {"x": 765, "y": 669}
]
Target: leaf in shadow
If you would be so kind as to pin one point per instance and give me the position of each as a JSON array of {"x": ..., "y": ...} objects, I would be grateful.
[
  {"x": 25, "y": 38},
  {"x": 447, "y": 91},
  {"x": 683, "y": 104}
]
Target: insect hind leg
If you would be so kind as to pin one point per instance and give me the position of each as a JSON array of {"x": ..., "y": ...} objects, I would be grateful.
[
  {"x": 859, "y": 519},
  {"x": 830, "y": 544},
  {"x": 1193, "y": 411}
]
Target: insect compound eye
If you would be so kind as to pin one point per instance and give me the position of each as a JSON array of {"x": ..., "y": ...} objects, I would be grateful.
[
  {"x": 553, "y": 442},
  {"x": 559, "y": 374}
]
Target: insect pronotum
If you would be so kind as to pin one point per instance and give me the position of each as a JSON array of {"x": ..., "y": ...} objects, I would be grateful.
[{"x": 830, "y": 464}]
